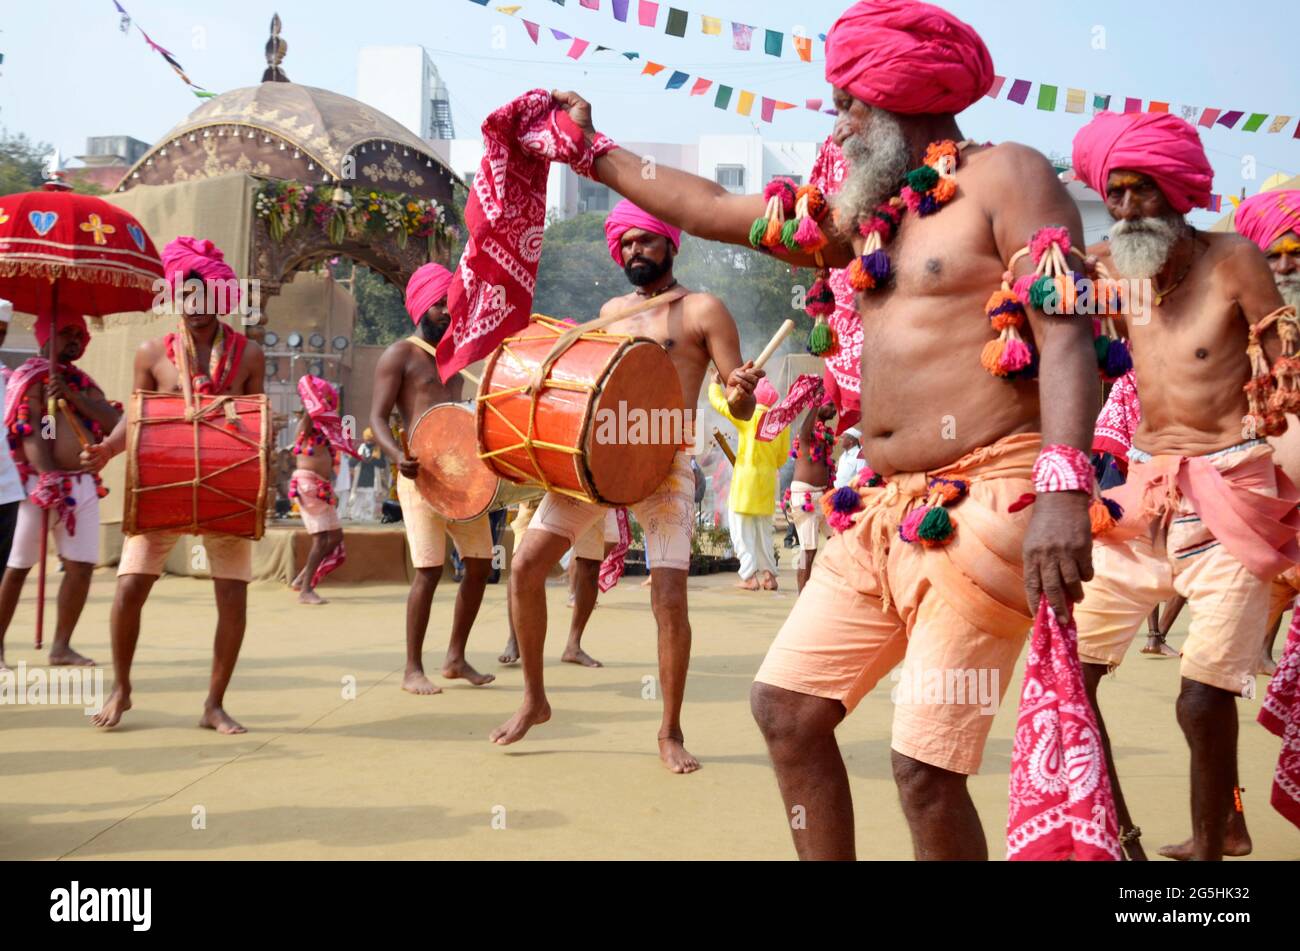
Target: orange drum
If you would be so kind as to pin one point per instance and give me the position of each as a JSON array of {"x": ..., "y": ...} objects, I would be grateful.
[
  {"x": 604, "y": 426},
  {"x": 205, "y": 474},
  {"x": 452, "y": 478}
]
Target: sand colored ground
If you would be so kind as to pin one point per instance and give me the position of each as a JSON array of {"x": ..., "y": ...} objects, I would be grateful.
[{"x": 389, "y": 775}]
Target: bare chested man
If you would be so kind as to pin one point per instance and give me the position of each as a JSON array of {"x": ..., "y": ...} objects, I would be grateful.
[
  {"x": 930, "y": 411},
  {"x": 813, "y": 475},
  {"x": 406, "y": 377},
  {"x": 221, "y": 361},
  {"x": 58, "y": 493},
  {"x": 696, "y": 329},
  {"x": 1194, "y": 467}
]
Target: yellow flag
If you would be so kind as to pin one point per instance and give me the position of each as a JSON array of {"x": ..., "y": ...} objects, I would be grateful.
[
  {"x": 1074, "y": 100},
  {"x": 510, "y": 10},
  {"x": 710, "y": 25},
  {"x": 1279, "y": 123},
  {"x": 1236, "y": 202},
  {"x": 746, "y": 103}
]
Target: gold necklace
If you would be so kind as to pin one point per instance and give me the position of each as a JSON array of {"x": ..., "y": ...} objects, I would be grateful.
[{"x": 652, "y": 296}]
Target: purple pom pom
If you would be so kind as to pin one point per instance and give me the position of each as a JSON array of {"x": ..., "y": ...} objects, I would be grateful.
[
  {"x": 1114, "y": 508},
  {"x": 846, "y": 500},
  {"x": 878, "y": 265},
  {"x": 927, "y": 205}
]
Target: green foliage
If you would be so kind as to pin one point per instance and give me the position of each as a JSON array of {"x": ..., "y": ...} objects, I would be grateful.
[
  {"x": 381, "y": 307},
  {"x": 22, "y": 163}
]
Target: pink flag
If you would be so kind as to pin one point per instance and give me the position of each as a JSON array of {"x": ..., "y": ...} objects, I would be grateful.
[
  {"x": 1208, "y": 118},
  {"x": 814, "y": 104},
  {"x": 590, "y": 4},
  {"x": 1132, "y": 105},
  {"x": 531, "y": 27},
  {"x": 996, "y": 88},
  {"x": 577, "y": 49},
  {"x": 741, "y": 35},
  {"x": 1061, "y": 805},
  {"x": 701, "y": 87},
  {"x": 647, "y": 12},
  {"x": 769, "y": 106}
]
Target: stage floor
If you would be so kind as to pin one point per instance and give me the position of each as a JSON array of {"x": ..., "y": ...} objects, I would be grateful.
[{"x": 390, "y": 775}]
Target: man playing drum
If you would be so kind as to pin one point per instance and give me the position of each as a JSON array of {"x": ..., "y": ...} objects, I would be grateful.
[
  {"x": 695, "y": 329},
  {"x": 220, "y": 361},
  {"x": 407, "y": 377}
]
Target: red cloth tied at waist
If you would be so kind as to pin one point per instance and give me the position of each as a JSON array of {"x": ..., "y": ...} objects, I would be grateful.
[{"x": 1249, "y": 506}]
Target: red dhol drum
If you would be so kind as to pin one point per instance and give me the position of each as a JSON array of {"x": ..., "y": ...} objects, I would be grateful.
[{"x": 205, "y": 474}]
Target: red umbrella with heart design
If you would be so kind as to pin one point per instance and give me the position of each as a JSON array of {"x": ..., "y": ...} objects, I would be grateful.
[{"x": 61, "y": 252}]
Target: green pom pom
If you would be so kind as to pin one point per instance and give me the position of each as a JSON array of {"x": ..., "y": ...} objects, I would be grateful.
[
  {"x": 756, "y": 231},
  {"x": 936, "y": 526},
  {"x": 819, "y": 339},
  {"x": 922, "y": 179},
  {"x": 1042, "y": 292},
  {"x": 1101, "y": 344},
  {"x": 787, "y": 234}
]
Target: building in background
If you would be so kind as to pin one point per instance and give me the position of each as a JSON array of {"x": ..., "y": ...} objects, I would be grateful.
[
  {"x": 402, "y": 82},
  {"x": 106, "y": 160}
]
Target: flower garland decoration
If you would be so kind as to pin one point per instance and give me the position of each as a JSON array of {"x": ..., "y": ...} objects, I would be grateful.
[{"x": 343, "y": 213}]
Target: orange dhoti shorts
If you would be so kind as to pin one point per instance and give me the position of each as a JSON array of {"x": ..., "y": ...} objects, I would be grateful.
[{"x": 954, "y": 616}]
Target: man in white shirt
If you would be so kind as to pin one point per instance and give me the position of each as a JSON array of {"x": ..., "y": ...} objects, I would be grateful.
[
  {"x": 11, "y": 487},
  {"x": 851, "y": 461}
]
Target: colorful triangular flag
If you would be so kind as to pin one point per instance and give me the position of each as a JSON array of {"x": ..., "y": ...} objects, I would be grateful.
[
  {"x": 647, "y": 12},
  {"x": 1074, "y": 100},
  {"x": 701, "y": 87},
  {"x": 772, "y": 43},
  {"x": 677, "y": 80},
  {"x": 745, "y": 104},
  {"x": 1046, "y": 97},
  {"x": 996, "y": 87}
]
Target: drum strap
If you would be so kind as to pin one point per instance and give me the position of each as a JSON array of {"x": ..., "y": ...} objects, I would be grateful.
[{"x": 574, "y": 334}]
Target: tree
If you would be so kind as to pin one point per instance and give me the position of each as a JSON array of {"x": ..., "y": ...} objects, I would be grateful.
[
  {"x": 381, "y": 307},
  {"x": 22, "y": 163}
]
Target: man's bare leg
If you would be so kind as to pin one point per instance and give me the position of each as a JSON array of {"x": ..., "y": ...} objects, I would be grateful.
[
  {"x": 72, "y": 599},
  {"x": 418, "y": 603},
  {"x": 322, "y": 543},
  {"x": 509, "y": 655},
  {"x": 800, "y": 734},
  {"x": 940, "y": 813},
  {"x": 1208, "y": 717},
  {"x": 586, "y": 587},
  {"x": 469, "y": 598},
  {"x": 124, "y": 627},
  {"x": 1159, "y": 627},
  {"x": 537, "y": 552},
  {"x": 668, "y": 601},
  {"x": 11, "y": 589},
  {"x": 1092, "y": 674},
  {"x": 1267, "y": 666},
  {"x": 805, "y": 567},
  {"x": 232, "y": 618}
]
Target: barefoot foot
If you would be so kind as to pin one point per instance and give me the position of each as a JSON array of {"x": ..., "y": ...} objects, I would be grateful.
[
  {"x": 415, "y": 682},
  {"x": 311, "y": 597},
  {"x": 673, "y": 753},
  {"x": 513, "y": 730},
  {"x": 111, "y": 713},
  {"x": 1264, "y": 665},
  {"x": 576, "y": 655},
  {"x": 769, "y": 581},
  {"x": 461, "y": 670},
  {"x": 510, "y": 655},
  {"x": 1157, "y": 647},
  {"x": 750, "y": 584},
  {"x": 66, "y": 657},
  {"x": 216, "y": 718},
  {"x": 1236, "y": 842}
]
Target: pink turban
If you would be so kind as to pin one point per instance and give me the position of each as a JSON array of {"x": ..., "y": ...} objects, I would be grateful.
[
  {"x": 907, "y": 57},
  {"x": 1266, "y": 217},
  {"x": 626, "y": 216},
  {"x": 321, "y": 401},
  {"x": 198, "y": 255},
  {"x": 43, "y": 323},
  {"x": 1158, "y": 144},
  {"x": 766, "y": 394},
  {"x": 427, "y": 286}
]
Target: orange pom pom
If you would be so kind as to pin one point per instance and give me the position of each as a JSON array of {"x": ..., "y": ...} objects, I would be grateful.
[
  {"x": 1099, "y": 518},
  {"x": 945, "y": 190},
  {"x": 1008, "y": 318},
  {"x": 859, "y": 278},
  {"x": 991, "y": 357},
  {"x": 816, "y": 201},
  {"x": 999, "y": 298},
  {"x": 772, "y": 236},
  {"x": 940, "y": 150}
]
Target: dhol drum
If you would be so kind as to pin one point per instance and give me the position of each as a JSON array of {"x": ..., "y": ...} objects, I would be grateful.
[
  {"x": 205, "y": 474},
  {"x": 452, "y": 478},
  {"x": 604, "y": 425}
]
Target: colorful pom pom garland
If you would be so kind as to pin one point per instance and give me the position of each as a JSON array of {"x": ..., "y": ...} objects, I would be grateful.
[
  {"x": 790, "y": 220},
  {"x": 1272, "y": 392}
]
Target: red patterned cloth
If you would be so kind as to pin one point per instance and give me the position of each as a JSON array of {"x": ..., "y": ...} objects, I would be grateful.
[
  {"x": 844, "y": 369},
  {"x": 1061, "y": 802},
  {"x": 224, "y": 359},
  {"x": 1280, "y": 715},
  {"x": 611, "y": 569},
  {"x": 807, "y": 390},
  {"x": 491, "y": 293},
  {"x": 321, "y": 401},
  {"x": 1118, "y": 420}
]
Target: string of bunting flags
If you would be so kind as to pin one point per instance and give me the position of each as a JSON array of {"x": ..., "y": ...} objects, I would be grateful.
[
  {"x": 677, "y": 22},
  {"x": 124, "y": 24}
]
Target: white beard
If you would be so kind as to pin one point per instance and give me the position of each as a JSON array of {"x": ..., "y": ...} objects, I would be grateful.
[
  {"x": 1140, "y": 248},
  {"x": 878, "y": 162},
  {"x": 1289, "y": 286}
]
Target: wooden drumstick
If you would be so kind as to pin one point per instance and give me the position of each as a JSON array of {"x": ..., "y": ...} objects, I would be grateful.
[
  {"x": 721, "y": 440},
  {"x": 473, "y": 380},
  {"x": 778, "y": 338},
  {"x": 74, "y": 423}
]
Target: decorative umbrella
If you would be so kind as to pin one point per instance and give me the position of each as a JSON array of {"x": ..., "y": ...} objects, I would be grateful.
[{"x": 70, "y": 253}]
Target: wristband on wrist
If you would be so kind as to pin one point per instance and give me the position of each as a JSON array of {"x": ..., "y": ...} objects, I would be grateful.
[
  {"x": 1061, "y": 468},
  {"x": 585, "y": 164}
]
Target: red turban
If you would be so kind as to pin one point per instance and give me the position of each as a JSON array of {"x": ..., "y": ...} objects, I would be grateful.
[
  {"x": 202, "y": 257},
  {"x": 1158, "y": 144},
  {"x": 624, "y": 217},
  {"x": 427, "y": 286},
  {"x": 907, "y": 57},
  {"x": 1265, "y": 217},
  {"x": 43, "y": 323}
]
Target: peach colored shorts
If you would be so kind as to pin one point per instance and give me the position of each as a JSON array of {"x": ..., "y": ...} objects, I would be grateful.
[
  {"x": 840, "y": 640},
  {"x": 317, "y": 515},
  {"x": 593, "y": 541},
  {"x": 1229, "y": 606},
  {"x": 667, "y": 519},
  {"x": 426, "y": 530},
  {"x": 228, "y": 556}
]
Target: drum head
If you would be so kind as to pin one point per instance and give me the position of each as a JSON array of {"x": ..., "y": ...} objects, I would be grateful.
[{"x": 452, "y": 478}]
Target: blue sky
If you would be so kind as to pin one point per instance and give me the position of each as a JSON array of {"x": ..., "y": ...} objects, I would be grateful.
[{"x": 69, "y": 73}]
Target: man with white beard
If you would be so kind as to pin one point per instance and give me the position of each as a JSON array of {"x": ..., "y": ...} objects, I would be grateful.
[
  {"x": 1204, "y": 515},
  {"x": 950, "y": 438}
]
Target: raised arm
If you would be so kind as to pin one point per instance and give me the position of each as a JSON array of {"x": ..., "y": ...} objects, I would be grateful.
[
  {"x": 1026, "y": 196},
  {"x": 690, "y": 202}
]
